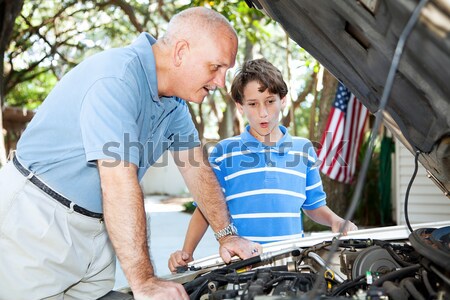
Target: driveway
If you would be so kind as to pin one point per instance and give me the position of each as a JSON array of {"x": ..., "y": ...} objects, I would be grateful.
[{"x": 168, "y": 225}]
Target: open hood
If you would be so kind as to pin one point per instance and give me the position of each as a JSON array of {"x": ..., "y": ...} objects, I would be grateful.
[{"x": 356, "y": 40}]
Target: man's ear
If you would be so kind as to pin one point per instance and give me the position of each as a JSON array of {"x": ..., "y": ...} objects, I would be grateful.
[{"x": 180, "y": 51}]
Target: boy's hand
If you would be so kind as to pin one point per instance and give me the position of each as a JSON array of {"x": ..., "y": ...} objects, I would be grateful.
[
  {"x": 179, "y": 258},
  {"x": 336, "y": 226}
]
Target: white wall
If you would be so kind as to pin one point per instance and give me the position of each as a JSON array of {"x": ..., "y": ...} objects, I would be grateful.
[
  {"x": 426, "y": 201},
  {"x": 164, "y": 178}
]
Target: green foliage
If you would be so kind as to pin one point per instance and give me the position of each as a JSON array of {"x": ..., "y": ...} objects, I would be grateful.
[
  {"x": 53, "y": 36},
  {"x": 369, "y": 211},
  {"x": 303, "y": 116},
  {"x": 189, "y": 207},
  {"x": 30, "y": 94}
]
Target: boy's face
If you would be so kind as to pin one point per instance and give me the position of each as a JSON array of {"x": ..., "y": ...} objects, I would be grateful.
[{"x": 262, "y": 110}]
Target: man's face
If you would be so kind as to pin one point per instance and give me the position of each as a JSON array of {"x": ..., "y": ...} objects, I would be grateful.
[
  {"x": 205, "y": 66},
  {"x": 262, "y": 110}
]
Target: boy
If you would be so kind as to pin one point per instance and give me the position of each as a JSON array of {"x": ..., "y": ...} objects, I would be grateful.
[{"x": 266, "y": 174}]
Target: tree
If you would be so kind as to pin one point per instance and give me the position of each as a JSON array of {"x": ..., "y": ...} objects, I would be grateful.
[{"x": 9, "y": 9}]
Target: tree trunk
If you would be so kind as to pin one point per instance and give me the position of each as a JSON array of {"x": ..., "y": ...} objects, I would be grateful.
[
  {"x": 227, "y": 126},
  {"x": 328, "y": 92},
  {"x": 338, "y": 195},
  {"x": 9, "y": 10},
  {"x": 288, "y": 118}
]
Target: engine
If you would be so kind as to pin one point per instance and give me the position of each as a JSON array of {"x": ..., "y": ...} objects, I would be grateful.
[{"x": 416, "y": 268}]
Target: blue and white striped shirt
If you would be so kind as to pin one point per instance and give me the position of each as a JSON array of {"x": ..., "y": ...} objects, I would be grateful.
[{"x": 265, "y": 187}]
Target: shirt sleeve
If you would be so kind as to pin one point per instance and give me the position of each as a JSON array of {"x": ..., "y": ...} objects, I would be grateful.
[
  {"x": 315, "y": 195},
  {"x": 108, "y": 121},
  {"x": 183, "y": 134}
]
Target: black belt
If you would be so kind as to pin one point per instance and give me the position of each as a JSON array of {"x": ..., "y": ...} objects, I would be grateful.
[{"x": 46, "y": 189}]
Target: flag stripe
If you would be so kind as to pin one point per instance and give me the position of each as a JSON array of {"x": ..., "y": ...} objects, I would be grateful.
[
  {"x": 335, "y": 147},
  {"x": 342, "y": 139},
  {"x": 336, "y": 136},
  {"x": 350, "y": 136}
]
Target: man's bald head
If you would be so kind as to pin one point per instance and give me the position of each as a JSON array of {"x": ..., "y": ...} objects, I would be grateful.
[
  {"x": 192, "y": 58},
  {"x": 195, "y": 21}
]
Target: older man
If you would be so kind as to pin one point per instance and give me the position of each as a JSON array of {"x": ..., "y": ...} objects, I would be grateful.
[{"x": 79, "y": 162}]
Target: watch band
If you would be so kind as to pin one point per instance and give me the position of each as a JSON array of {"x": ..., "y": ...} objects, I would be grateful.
[{"x": 229, "y": 230}]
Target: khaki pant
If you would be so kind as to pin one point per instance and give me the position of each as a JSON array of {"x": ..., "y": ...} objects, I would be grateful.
[{"x": 46, "y": 250}]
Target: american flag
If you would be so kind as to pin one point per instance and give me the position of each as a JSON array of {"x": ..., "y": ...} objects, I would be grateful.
[{"x": 343, "y": 136}]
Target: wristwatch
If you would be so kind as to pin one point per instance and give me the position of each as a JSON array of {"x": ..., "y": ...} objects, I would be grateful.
[{"x": 229, "y": 230}]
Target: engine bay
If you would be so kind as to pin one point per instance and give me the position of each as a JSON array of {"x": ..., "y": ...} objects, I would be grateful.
[{"x": 417, "y": 267}]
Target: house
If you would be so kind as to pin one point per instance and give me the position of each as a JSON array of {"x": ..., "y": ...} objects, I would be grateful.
[{"x": 427, "y": 203}]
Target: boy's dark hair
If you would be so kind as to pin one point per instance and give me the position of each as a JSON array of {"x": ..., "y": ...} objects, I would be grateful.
[{"x": 261, "y": 71}]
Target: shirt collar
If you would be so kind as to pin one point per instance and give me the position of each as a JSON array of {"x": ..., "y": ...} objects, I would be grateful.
[
  {"x": 253, "y": 145},
  {"x": 142, "y": 46}
]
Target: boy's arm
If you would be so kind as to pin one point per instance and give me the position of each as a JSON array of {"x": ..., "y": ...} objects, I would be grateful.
[
  {"x": 325, "y": 216},
  {"x": 197, "y": 228}
]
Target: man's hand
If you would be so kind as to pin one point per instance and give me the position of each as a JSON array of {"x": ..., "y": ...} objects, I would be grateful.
[
  {"x": 234, "y": 245},
  {"x": 336, "y": 226},
  {"x": 156, "y": 288},
  {"x": 179, "y": 258}
]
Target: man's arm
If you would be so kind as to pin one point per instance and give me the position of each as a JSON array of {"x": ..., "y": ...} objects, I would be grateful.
[
  {"x": 124, "y": 214},
  {"x": 205, "y": 189},
  {"x": 325, "y": 216},
  {"x": 196, "y": 230}
]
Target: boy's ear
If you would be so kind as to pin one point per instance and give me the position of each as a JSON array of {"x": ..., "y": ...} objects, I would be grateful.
[
  {"x": 283, "y": 102},
  {"x": 240, "y": 108},
  {"x": 180, "y": 50}
]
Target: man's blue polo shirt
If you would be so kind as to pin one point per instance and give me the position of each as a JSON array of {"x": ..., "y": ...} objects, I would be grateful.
[
  {"x": 267, "y": 186},
  {"x": 107, "y": 107}
]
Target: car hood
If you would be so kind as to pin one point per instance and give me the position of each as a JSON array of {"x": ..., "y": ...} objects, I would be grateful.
[{"x": 356, "y": 40}]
